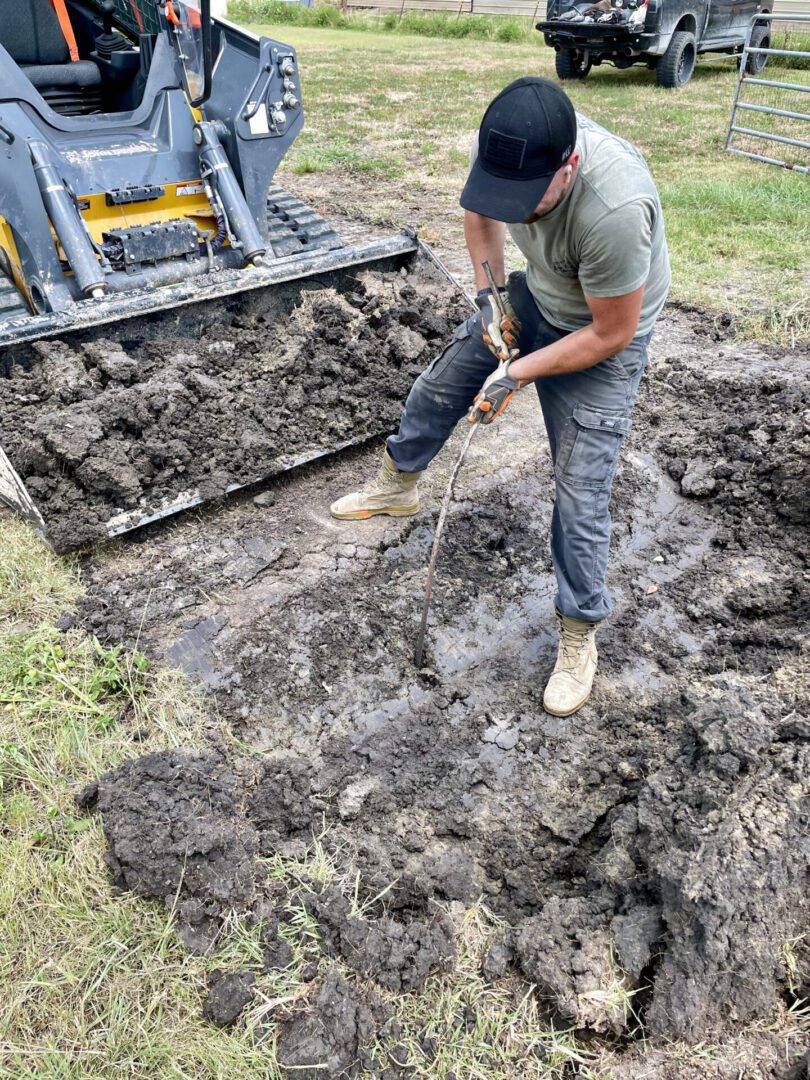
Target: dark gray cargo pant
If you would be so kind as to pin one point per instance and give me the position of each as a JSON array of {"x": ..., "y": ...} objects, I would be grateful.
[{"x": 587, "y": 414}]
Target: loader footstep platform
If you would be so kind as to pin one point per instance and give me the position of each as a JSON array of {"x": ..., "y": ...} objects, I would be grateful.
[
  {"x": 11, "y": 303},
  {"x": 294, "y": 227}
]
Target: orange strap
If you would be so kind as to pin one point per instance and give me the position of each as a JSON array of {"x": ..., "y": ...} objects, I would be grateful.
[
  {"x": 67, "y": 30},
  {"x": 137, "y": 14}
]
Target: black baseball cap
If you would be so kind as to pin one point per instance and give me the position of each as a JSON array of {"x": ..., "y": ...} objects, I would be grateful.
[{"x": 527, "y": 134}]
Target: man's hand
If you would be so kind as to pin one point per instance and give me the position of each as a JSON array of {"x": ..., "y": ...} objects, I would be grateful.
[
  {"x": 500, "y": 332},
  {"x": 495, "y": 395}
]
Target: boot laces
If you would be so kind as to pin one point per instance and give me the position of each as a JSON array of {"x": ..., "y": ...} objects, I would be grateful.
[
  {"x": 573, "y": 642},
  {"x": 381, "y": 484}
]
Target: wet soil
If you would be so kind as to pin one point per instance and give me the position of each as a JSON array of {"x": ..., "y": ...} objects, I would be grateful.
[
  {"x": 106, "y": 431},
  {"x": 657, "y": 840}
]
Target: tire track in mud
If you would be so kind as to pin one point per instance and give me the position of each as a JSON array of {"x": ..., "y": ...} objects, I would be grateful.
[{"x": 658, "y": 837}]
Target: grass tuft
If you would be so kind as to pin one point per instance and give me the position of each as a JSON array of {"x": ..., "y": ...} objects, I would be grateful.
[
  {"x": 35, "y": 584},
  {"x": 344, "y": 159}
]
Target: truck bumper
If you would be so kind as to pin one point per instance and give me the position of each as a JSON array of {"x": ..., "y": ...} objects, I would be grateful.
[{"x": 599, "y": 40}]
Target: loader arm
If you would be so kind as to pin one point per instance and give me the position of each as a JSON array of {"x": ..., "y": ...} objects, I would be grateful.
[{"x": 126, "y": 213}]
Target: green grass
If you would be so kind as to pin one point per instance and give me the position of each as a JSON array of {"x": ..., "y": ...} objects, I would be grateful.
[
  {"x": 504, "y": 28},
  {"x": 406, "y": 108},
  {"x": 433, "y": 24},
  {"x": 344, "y": 159}
]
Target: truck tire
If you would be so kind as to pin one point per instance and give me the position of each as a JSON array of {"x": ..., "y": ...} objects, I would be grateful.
[
  {"x": 675, "y": 67},
  {"x": 571, "y": 64},
  {"x": 760, "y": 39}
]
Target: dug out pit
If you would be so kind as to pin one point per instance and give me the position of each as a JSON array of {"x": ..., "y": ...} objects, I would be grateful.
[
  {"x": 655, "y": 841},
  {"x": 175, "y": 409}
]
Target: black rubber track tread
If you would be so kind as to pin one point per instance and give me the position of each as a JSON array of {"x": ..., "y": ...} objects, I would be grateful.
[{"x": 293, "y": 226}]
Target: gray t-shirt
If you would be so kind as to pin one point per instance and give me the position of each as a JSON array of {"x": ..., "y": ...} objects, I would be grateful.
[{"x": 606, "y": 238}]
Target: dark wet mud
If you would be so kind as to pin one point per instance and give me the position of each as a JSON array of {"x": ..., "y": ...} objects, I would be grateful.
[
  {"x": 105, "y": 430},
  {"x": 656, "y": 841}
]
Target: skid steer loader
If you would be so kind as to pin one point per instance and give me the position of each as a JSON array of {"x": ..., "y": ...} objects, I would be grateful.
[{"x": 138, "y": 148}]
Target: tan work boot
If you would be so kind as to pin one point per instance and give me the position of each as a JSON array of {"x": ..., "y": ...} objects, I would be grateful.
[
  {"x": 570, "y": 684},
  {"x": 390, "y": 492}
]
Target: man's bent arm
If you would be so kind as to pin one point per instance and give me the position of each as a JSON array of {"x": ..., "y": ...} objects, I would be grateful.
[
  {"x": 485, "y": 240},
  {"x": 615, "y": 322}
]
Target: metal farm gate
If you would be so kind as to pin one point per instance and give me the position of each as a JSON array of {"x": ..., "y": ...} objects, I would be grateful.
[{"x": 775, "y": 125}]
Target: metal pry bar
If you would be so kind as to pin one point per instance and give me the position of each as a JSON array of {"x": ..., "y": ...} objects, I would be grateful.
[
  {"x": 434, "y": 554},
  {"x": 496, "y": 293}
]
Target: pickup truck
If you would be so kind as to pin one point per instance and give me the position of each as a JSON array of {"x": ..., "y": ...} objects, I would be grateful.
[{"x": 666, "y": 35}]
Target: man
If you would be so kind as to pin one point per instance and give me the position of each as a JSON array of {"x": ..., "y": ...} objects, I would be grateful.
[{"x": 582, "y": 207}]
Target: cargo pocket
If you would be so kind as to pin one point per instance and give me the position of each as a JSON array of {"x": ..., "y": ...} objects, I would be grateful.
[
  {"x": 434, "y": 371},
  {"x": 590, "y": 447}
]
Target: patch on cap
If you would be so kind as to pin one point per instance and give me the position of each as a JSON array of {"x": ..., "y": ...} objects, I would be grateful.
[{"x": 506, "y": 150}]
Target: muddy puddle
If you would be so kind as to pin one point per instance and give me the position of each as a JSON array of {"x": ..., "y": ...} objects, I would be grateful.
[{"x": 655, "y": 840}]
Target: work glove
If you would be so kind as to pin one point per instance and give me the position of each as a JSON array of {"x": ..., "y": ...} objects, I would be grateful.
[
  {"x": 495, "y": 394},
  {"x": 501, "y": 334}
]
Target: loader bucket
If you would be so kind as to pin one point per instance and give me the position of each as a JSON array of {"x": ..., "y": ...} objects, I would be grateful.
[{"x": 138, "y": 406}]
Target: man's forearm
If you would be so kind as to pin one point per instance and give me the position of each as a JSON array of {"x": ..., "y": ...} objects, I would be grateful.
[
  {"x": 575, "y": 352},
  {"x": 485, "y": 240}
]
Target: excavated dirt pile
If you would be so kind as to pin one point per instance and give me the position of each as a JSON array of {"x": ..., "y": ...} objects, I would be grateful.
[
  {"x": 653, "y": 844},
  {"x": 101, "y": 430}
]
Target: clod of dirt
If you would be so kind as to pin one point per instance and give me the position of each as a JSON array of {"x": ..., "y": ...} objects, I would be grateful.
[
  {"x": 399, "y": 956},
  {"x": 278, "y": 955},
  {"x": 732, "y": 883},
  {"x": 329, "y": 1037},
  {"x": 99, "y": 429},
  {"x": 284, "y": 803},
  {"x": 801, "y": 1069},
  {"x": 698, "y": 480},
  {"x": 499, "y": 956},
  {"x": 229, "y": 993},
  {"x": 573, "y": 968},
  {"x": 176, "y": 831},
  {"x": 635, "y": 938}
]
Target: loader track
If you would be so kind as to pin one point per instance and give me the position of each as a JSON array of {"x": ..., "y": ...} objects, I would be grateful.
[{"x": 294, "y": 226}]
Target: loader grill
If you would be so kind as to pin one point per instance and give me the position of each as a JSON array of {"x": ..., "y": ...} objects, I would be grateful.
[
  {"x": 137, "y": 16},
  {"x": 73, "y": 100}
]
